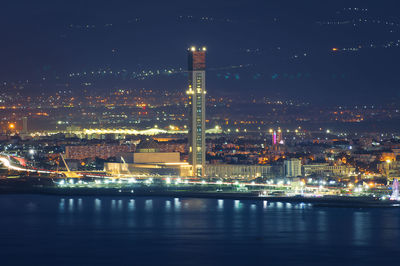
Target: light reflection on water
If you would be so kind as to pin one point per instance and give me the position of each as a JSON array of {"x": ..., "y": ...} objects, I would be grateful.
[
  {"x": 177, "y": 204},
  {"x": 237, "y": 205},
  {"x": 360, "y": 225},
  {"x": 97, "y": 205},
  {"x": 196, "y": 226},
  {"x": 80, "y": 204},
  {"x": 62, "y": 205},
  {"x": 167, "y": 205},
  {"x": 220, "y": 204},
  {"x": 131, "y": 205},
  {"x": 113, "y": 205},
  {"x": 71, "y": 205},
  {"x": 322, "y": 227},
  {"x": 120, "y": 205},
  {"x": 148, "y": 205}
]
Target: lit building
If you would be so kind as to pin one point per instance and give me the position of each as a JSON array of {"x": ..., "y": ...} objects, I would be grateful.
[
  {"x": 238, "y": 171},
  {"x": 277, "y": 137},
  {"x": 292, "y": 167},
  {"x": 81, "y": 152},
  {"x": 324, "y": 169},
  {"x": 390, "y": 169},
  {"x": 147, "y": 160},
  {"x": 24, "y": 125},
  {"x": 197, "y": 95}
]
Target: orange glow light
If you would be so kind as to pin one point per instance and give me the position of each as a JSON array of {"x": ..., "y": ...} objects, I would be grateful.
[
  {"x": 334, "y": 49},
  {"x": 11, "y": 126}
]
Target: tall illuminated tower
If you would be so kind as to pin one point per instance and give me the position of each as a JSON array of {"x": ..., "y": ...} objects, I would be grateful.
[
  {"x": 25, "y": 125},
  {"x": 197, "y": 109}
]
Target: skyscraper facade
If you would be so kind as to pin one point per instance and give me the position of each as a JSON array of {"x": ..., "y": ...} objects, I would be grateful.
[{"x": 197, "y": 110}]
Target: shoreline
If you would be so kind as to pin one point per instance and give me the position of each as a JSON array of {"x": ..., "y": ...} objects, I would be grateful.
[{"x": 326, "y": 201}]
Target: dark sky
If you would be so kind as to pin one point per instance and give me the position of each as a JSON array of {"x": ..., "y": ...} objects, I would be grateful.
[{"x": 269, "y": 48}]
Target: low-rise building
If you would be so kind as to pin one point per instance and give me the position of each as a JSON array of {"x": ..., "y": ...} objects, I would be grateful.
[
  {"x": 326, "y": 169},
  {"x": 149, "y": 161},
  {"x": 103, "y": 151},
  {"x": 240, "y": 171}
]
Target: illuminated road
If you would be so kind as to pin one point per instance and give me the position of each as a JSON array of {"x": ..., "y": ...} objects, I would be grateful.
[
  {"x": 9, "y": 165},
  {"x": 6, "y": 162}
]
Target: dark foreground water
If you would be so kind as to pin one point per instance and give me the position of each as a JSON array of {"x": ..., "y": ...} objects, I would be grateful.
[{"x": 52, "y": 230}]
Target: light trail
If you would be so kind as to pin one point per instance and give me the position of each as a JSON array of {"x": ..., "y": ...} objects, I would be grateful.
[{"x": 6, "y": 162}]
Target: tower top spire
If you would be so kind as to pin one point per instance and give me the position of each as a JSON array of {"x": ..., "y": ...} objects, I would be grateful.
[
  {"x": 197, "y": 58},
  {"x": 195, "y": 49}
]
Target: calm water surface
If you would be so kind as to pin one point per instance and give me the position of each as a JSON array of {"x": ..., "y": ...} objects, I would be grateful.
[{"x": 52, "y": 230}]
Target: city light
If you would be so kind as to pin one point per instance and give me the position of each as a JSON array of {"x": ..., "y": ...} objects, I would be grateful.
[{"x": 124, "y": 140}]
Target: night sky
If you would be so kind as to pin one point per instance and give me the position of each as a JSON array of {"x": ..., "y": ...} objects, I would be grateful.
[{"x": 269, "y": 48}]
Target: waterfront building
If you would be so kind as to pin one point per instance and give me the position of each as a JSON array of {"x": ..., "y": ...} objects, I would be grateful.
[
  {"x": 292, "y": 167},
  {"x": 238, "y": 171},
  {"x": 197, "y": 94},
  {"x": 147, "y": 160}
]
